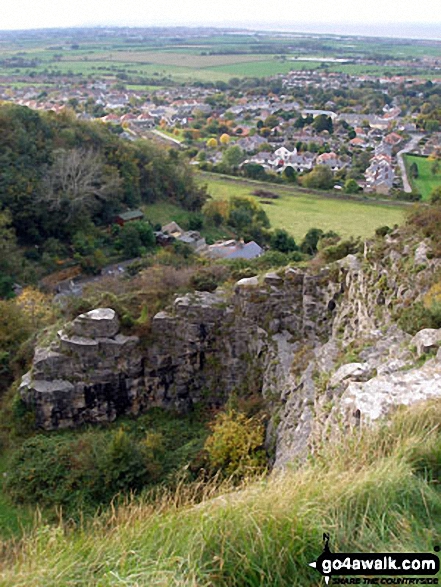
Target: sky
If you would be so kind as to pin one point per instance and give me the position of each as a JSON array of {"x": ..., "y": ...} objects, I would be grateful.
[{"x": 410, "y": 18}]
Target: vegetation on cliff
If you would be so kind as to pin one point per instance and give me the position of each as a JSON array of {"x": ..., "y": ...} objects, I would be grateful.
[{"x": 372, "y": 492}]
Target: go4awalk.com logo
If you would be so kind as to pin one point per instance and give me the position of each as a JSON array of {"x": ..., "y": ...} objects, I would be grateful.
[{"x": 393, "y": 568}]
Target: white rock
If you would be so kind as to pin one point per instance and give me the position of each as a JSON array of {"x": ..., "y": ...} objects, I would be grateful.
[
  {"x": 421, "y": 254},
  {"x": 377, "y": 397},
  {"x": 248, "y": 282},
  {"x": 426, "y": 340},
  {"x": 355, "y": 371},
  {"x": 99, "y": 323}
]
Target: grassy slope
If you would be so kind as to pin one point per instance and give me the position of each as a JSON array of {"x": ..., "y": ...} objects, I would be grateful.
[
  {"x": 426, "y": 181},
  {"x": 262, "y": 535},
  {"x": 297, "y": 212},
  {"x": 13, "y": 519}
]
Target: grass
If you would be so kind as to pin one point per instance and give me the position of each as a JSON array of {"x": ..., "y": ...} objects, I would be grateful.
[
  {"x": 164, "y": 212},
  {"x": 297, "y": 212},
  {"x": 371, "y": 491},
  {"x": 426, "y": 181},
  {"x": 13, "y": 519}
]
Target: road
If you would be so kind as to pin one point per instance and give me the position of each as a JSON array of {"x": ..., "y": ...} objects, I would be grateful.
[{"x": 408, "y": 147}]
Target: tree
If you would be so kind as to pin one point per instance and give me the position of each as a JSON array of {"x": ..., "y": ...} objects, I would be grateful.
[
  {"x": 271, "y": 121},
  {"x": 351, "y": 186},
  {"x": 254, "y": 171},
  {"x": 282, "y": 241},
  {"x": 212, "y": 143},
  {"x": 224, "y": 139},
  {"x": 77, "y": 181},
  {"x": 290, "y": 173},
  {"x": 413, "y": 170},
  {"x": 435, "y": 195},
  {"x": 310, "y": 241},
  {"x": 320, "y": 177},
  {"x": 322, "y": 123},
  {"x": 232, "y": 157},
  {"x": 11, "y": 260},
  {"x": 235, "y": 446}
]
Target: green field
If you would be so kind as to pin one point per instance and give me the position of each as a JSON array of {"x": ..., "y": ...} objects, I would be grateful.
[
  {"x": 426, "y": 181},
  {"x": 189, "y": 57},
  {"x": 297, "y": 212}
]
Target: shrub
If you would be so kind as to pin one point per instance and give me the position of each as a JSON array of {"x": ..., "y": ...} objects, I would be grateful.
[
  {"x": 341, "y": 250},
  {"x": 235, "y": 446},
  {"x": 82, "y": 471},
  {"x": 417, "y": 317},
  {"x": 282, "y": 241},
  {"x": 204, "y": 280}
]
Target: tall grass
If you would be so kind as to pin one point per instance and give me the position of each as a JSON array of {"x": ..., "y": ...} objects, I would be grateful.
[{"x": 374, "y": 491}]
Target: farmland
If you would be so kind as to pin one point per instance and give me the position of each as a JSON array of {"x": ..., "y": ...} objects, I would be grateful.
[
  {"x": 204, "y": 55},
  {"x": 297, "y": 212}
]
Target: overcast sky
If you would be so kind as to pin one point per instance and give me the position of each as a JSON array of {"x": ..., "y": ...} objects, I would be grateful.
[{"x": 397, "y": 16}]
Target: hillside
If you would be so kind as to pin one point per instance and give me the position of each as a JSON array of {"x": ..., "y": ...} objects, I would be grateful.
[
  {"x": 335, "y": 351},
  {"x": 265, "y": 533},
  {"x": 204, "y": 422}
]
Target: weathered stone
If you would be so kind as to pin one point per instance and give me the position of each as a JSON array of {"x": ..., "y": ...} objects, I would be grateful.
[
  {"x": 354, "y": 371},
  {"x": 377, "y": 397},
  {"x": 247, "y": 282},
  {"x": 421, "y": 254},
  {"x": 273, "y": 279},
  {"x": 426, "y": 340},
  {"x": 99, "y": 323}
]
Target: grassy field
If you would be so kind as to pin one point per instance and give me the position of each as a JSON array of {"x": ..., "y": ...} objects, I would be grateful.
[
  {"x": 206, "y": 58},
  {"x": 297, "y": 212},
  {"x": 371, "y": 492},
  {"x": 426, "y": 181}
]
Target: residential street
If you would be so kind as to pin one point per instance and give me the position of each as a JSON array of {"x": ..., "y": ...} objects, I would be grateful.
[{"x": 409, "y": 147}]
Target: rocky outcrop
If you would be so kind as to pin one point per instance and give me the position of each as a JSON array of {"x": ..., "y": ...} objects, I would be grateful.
[
  {"x": 322, "y": 348},
  {"x": 201, "y": 349},
  {"x": 91, "y": 373}
]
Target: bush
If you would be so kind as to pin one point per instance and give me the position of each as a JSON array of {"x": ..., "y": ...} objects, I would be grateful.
[
  {"x": 417, "y": 317},
  {"x": 82, "y": 471},
  {"x": 235, "y": 446},
  {"x": 204, "y": 280},
  {"x": 282, "y": 241},
  {"x": 341, "y": 250}
]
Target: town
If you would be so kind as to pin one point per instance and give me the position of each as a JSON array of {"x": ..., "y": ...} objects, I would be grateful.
[{"x": 317, "y": 127}]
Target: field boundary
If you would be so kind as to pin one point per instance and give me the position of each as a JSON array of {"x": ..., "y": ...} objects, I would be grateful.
[{"x": 291, "y": 190}]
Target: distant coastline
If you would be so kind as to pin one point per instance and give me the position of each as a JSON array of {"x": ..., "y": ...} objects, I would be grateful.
[{"x": 398, "y": 30}]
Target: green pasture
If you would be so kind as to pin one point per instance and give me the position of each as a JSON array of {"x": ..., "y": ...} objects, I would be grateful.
[
  {"x": 426, "y": 181},
  {"x": 297, "y": 212},
  {"x": 186, "y": 58}
]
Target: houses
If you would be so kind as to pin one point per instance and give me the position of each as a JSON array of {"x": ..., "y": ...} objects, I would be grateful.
[
  {"x": 128, "y": 216},
  {"x": 233, "y": 249},
  {"x": 189, "y": 237},
  {"x": 380, "y": 175},
  {"x": 330, "y": 160}
]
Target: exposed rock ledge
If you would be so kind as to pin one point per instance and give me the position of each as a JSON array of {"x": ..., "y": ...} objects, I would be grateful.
[{"x": 286, "y": 336}]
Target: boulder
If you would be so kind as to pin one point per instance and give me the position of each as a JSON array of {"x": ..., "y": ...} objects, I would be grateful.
[
  {"x": 426, "y": 340},
  {"x": 354, "y": 371},
  {"x": 99, "y": 323}
]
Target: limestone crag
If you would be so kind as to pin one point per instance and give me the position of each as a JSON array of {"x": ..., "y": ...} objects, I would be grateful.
[
  {"x": 368, "y": 367},
  {"x": 322, "y": 348},
  {"x": 90, "y": 374},
  {"x": 202, "y": 348}
]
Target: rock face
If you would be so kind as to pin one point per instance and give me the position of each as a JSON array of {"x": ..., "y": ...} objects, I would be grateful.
[
  {"x": 323, "y": 349},
  {"x": 90, "y": 374},
  {"x": 201, "y": 349}
]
